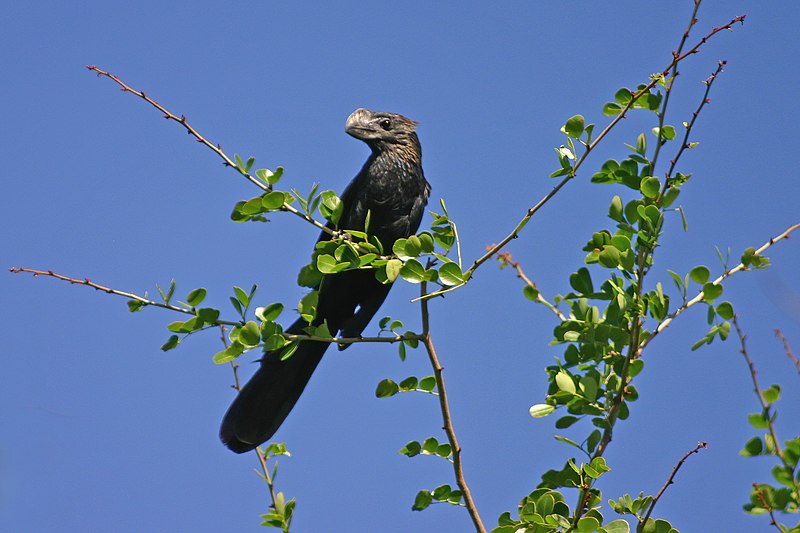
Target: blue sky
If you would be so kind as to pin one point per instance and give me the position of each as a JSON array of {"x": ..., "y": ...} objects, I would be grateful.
[{"x": 104, "y": 431}]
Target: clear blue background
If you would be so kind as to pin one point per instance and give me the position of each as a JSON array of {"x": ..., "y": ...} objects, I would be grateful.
[{"x": 102, "y": 431}]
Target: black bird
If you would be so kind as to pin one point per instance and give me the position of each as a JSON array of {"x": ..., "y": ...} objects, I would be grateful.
[{"x": 391, "y": 187}]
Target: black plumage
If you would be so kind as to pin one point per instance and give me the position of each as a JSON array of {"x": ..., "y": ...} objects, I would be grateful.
[{"x": 391, "y": 187}]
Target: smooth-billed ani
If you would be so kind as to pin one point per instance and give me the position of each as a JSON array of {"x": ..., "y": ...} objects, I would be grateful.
[{"x": 391, "y": 187}]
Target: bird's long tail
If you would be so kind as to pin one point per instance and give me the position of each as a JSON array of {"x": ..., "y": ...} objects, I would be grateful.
[{"x": 264, "y": 402}]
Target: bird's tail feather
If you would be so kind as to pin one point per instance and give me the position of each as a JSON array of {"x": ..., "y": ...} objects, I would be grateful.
[{"x": 264, "y": 402}]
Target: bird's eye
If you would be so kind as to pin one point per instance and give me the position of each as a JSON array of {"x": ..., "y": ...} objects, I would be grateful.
[{"x": 386, "y": 124}]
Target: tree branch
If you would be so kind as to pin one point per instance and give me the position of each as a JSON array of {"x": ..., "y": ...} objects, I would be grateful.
[
  {"x": 216, "y": 148},
  {"x": 643, "y": 521},
  {"x": 699, "y": 298},
  {"x": 89, "y": 283},
  {"x": 289, "y": 336},
  {"x": 766, "y": 407},
  {"x": 446, "y": 416},
  {"x": 505, "y": 259},
  {"x": 788, "y": 349},
  {"x": 677, "y": 58}
]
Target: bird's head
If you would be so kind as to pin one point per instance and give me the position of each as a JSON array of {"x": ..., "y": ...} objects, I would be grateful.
[{"x": 382, "y": 130}]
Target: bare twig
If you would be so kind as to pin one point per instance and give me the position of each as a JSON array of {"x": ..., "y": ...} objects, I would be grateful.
[
  {"x": 788, "y": 349},
  {"x": 216, "y": 148},
  {"x": 505, "y": 259},
  {"x": 447, "y": 420},
  {"x": 643, "y": 521},
  {"x": 677, "y": 58},
  {"x": 699, "y": 297},
  {"x": 671, "y": 82},
  {"x": 685, "y": 142},
  {"x": 89, "y": 283}
]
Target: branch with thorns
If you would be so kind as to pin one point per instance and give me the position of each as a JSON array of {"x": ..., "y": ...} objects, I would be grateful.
[
  {"x": 700, "y": 446},
  {"x": 216, "y": 148}
]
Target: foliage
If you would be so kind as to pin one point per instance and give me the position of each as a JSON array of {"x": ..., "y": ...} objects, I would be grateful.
[{"x": 616, "y": 305}]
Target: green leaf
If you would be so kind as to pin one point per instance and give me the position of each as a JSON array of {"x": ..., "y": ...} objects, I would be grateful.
[
  {"x": 450, "y": 274},
  {"x": 196, "y": 297},
  {"x": 411, "y": 449},
  {"x": 615, "y": 210},
  {"x": 711, "y": 291},
  {"x": 617, "y": 526},
  {"x": 289, "y": 350},
  {"x": 699, "y": 274},
  {"x": 581, "y": 281},
  {"x": 173, "y": 341},
  {"x": 564, "y": 382},
  {"x": 331, "y": 207},
  {"x": 588, "y": 524},
  {"x": 272, "y": 201},
  {"x": 269, "y": 313},
  {"x": 772, "y": 394},
  {"x": 250, "y": 334},
  {"x": 430, "y": 445},
  {"x": 208, "y": 315},
  {"x": 427, "y": 383},
  {"x": 229, "y": 354},
  {"x": 574, "y": 126},
  {"x": 413, "y": 271},
  {"x": 541, "y": 410},
  {"x": 386, "y": 388},
  {"x": 725, "y": 310},
  {"x": 422, "y": 501},
  {"x": 241, "y": 296},
  {"x": 442, "y": 493},
  {"x": 269, "y": 176},
  {"x": 530, "y": 293},
  {"x": 665, "y": 133},
  {"x": 327, "y": 264},
  {"x": 758, "y": 421},
  {"x": 410, "y": 383},
  {"x": 393, "y": 267},
  {"x": 274, "y": 342},
  {"x": 650, "y": 187},
  {"x": 426, "y": 242},
  {"x": 135, "y": 305},
  {"x": 610, "y": 109},
  {"x": 609, "y": 256},
  {"x": 444, "y": 450},
  {"x": 641, "y": 144}
]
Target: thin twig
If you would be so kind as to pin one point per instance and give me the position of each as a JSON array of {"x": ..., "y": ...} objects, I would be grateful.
[
  {"x": 788, "y": 349},
  {"x": 772, "y": 520},
  {"x": 766, "y": 407},
  {"x": 291, "y": 337},
  {"x": 261, "y": 458},
  {"x": 643, "y": 521},
  {"x": 447, "y": 420},
  {"x": 89, "y": 283},
  {"x": 685, "y": 142},
  {"x": 216, "y": 148},
  {"x": 677, "y": 58},
  {"x": 699, "y": 298},
  {"x": 354, "y": 340},
  {"x": 505, "y": 259}
]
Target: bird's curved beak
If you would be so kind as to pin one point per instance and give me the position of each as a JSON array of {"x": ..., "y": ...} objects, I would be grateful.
[{"x": 357, "y": 124}]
